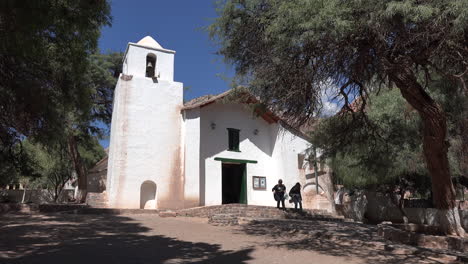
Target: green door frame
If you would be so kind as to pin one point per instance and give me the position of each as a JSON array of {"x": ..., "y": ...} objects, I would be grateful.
[
  {"x": 235, "y": 160},
  {"x": 243, "y": 192}
]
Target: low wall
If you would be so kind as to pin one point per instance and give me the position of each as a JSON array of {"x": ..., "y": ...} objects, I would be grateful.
[
  {"x": 376, "y": 208},
  {"x": 67, "y": 208},
  {"x": 34, "y": 196},
  {"x": 421, "y": 240},
  {"x": 424, "y": 216}
]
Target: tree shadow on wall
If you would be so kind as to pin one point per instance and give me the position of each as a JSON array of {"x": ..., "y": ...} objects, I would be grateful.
[
  {"x": 336, "y": 239},
  {"x": 99, "y": 239}
]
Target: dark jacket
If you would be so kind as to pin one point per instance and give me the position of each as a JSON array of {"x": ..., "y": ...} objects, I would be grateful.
[
  {"x": 296, "y": 190},
  {"x": 279, "y": 189}
]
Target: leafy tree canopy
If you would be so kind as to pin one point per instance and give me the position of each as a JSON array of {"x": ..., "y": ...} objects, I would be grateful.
[
  {"x": 381, "y": 155},
  {"x": 288, "y": 51},
  {"x": 44, "y": 52},
  {"x": 52, "y": 166}
]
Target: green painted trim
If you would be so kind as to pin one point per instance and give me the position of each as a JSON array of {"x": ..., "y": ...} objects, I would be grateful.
[
  {"x": 235, "y": 160},
  {"x": 243, "y": 192},
  {"x": 233, "y": 150}
]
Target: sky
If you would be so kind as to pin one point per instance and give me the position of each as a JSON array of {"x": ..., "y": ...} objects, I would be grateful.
[{"x": 176, "y": 25}]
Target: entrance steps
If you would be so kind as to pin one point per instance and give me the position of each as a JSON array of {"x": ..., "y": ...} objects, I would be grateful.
[
  {"x": 97, "y": 200},
  {"x": 233, "y": 214}
]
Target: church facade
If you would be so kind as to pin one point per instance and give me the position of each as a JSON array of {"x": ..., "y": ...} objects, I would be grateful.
[{"x": 167, "y": 154}]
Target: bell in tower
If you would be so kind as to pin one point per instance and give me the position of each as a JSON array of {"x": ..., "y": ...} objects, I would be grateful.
[
  {"x": 146, "y": 118},
  {"x": 150, "y": 65}
]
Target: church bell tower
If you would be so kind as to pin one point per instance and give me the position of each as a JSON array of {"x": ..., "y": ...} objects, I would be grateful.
[{"x": 145, "y": 157}]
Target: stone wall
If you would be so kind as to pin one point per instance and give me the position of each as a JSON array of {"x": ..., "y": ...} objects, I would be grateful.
[
  {"x": 422, "y": 240},
  {"x": 376, "y": 208},
  {"x": 353, "y": 207}
]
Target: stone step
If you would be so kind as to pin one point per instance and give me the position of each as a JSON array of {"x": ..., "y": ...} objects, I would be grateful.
[
  {"x": 242, "y": 210},
  {"x": 229, "y": 219},
  {"x": 111, "y": 211},
  {"x": 231, "y": 214},
  {"x": 223, "y": 219}
]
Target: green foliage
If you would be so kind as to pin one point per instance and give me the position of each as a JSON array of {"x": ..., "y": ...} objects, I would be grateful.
[
  {"x": 386, "y": 148},
  {"x": 381, "y": 150},
  {"x": 287, "y": 52},
  {"x": 100, "y": 79},
  {"x": 91, "y": 152},
  {"x": 455, "y": 105},
  {"x": 43, "y": 54},
  {"x": 95, "y": 105},
  {"x": 51, "y": 165},
  {"x": 85, "y": 123}
]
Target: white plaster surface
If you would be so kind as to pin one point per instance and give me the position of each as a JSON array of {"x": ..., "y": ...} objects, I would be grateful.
[
  {"x": 135, "y": 62},
  {"x": 192, "y": 157},
  {"x": 152, "y": 139},
  {"x": 149, "y": 42},
  {"x": 145, "y": 134},
  {"x": 274, "y": 148}
]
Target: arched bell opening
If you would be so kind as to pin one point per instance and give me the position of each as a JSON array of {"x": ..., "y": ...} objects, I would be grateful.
[{"x": 151, "y": 65}]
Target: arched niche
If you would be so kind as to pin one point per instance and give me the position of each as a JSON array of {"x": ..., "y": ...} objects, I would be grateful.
[
  {"x": 148, "y": 195},
  {"x": 150, "y": 65}
]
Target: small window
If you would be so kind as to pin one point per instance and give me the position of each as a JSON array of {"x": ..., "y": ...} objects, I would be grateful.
[
  {"x": 150, "y": 65},
  {"x": 233, "y": 135}
]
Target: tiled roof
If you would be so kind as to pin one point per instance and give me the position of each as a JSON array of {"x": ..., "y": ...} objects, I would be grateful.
[
  {"x": 269, "y": 116},
  {"x": 204, "y": 100}
]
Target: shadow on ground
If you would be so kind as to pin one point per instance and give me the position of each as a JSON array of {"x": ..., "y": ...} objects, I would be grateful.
[
  {"x": 337, "y": 239},
  {"x": 99, "y": 239}
]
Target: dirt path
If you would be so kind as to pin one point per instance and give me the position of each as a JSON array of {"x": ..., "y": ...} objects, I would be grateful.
[{"x": 150, "y": 239}]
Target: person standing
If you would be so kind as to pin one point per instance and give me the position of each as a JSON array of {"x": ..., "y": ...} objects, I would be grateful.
[
  {"x": 279, "y": 190},
  {"x": 295, "y": 194}
]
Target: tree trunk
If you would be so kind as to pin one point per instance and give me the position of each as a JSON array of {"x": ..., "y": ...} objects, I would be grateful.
[
  {"x": 56, "y": 194},
  {"x": 435, "y": 146},
  {"x": 79, "y": 168},
  {"x": 24, "y": 195},
  {"x": 329, "y": 188}
]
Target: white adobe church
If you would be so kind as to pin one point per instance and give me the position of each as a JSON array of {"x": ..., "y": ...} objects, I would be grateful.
[{"x": 167, "y": 154}]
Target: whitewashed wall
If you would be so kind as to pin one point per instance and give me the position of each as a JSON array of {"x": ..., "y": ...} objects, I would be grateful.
[
  {"x": 153, "y": 140},
  {"x": 135, "y": 62},
  {"x": 145, "y": 140},
  {"x": 191, "y": 130},
  {"x": 274, "y": 148}
]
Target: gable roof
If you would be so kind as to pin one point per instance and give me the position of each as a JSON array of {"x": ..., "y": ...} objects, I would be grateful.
[
  {"x": 268, "y": 115},
  {"x": 204, "y": 100}
]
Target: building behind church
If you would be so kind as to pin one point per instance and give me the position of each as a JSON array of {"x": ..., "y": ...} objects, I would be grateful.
[{"x": 167, "y": 154}]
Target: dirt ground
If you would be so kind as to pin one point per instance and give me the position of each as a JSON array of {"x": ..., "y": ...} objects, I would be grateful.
[{"x": 66, "y": 239}]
